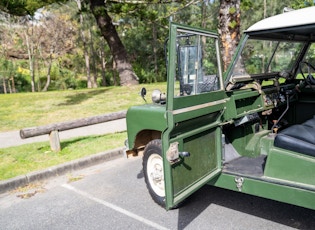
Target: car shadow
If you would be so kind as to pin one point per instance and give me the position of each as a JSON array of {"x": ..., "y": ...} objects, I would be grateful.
[{"x": 285, "y": 214}]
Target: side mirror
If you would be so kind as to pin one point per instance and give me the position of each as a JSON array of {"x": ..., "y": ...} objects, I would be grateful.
[{"x": 143, "y": 92}]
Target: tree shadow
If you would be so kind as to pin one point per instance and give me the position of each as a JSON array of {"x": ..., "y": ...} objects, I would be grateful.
[
  {"x": 65, "y": 143},
  {"x": 82, "y": 96},
  {"x": 74, "y": 140},
  {"x": 285, "y": 214}
]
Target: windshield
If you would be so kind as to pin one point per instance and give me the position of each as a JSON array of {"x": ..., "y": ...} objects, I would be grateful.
[
  {"x": 259, "y": 57},
  {"x": 197, "y": 64}
]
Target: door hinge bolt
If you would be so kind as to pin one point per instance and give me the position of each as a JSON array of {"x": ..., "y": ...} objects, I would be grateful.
[{"x": 239, "y": 183}]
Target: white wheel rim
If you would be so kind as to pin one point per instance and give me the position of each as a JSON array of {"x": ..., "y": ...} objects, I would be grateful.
[{"x": 156, "y": 174}]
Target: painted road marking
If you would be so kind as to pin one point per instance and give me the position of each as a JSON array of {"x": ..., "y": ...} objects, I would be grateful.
[{"x": 114, "y": 207}]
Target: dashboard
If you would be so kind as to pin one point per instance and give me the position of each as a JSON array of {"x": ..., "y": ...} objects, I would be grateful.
[{"x": 276, "y": 96}]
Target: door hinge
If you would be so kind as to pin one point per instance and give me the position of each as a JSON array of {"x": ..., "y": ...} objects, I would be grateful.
[{"x": 239, "y": 183}]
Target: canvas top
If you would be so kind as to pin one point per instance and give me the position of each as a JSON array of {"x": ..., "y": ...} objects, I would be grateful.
[
  {"x": 293, "y": 18},
  {"x": 296, "y": 24}
]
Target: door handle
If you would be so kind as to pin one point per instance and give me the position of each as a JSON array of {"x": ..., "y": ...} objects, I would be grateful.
[{"x": 184, "y": 154}]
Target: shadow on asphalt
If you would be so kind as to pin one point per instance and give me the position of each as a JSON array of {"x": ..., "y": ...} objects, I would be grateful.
[
  {"x": 277, "y": 212},
  {"x": 285, "y": 214}
]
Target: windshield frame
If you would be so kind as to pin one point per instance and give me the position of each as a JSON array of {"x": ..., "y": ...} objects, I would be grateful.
[{"x": 230, "y": 78}]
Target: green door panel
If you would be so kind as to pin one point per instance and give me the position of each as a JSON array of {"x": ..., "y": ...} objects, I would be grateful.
[
  {"x": 195, "y": 105},
  {"x": 202, "y": 160}
]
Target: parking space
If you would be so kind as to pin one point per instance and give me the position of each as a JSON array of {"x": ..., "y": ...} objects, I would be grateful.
[{"x": 113, "y": 196}]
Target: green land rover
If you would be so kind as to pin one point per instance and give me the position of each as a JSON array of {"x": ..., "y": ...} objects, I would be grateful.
[{"x": 251, "y": 129}]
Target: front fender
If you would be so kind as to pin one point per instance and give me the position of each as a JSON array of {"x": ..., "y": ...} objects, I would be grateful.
[{"x": 142, "y": 120}]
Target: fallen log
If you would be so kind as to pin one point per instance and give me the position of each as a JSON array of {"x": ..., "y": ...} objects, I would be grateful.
[{"x": 47, "y": 129}]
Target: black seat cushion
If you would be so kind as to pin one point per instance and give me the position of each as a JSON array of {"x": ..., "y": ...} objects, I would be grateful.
[
  {"x": 310, "y": 122},
  {"x": 297, "y": 138}
]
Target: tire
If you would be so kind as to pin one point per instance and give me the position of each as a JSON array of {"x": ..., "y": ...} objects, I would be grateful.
[{"x": 152, "y": 163}]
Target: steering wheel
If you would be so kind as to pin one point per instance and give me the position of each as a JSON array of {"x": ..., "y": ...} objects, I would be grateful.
[{"x": 310, "y": 79}]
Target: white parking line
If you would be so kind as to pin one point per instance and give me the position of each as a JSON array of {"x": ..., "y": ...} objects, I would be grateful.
[{"x": 114, "y": 207}]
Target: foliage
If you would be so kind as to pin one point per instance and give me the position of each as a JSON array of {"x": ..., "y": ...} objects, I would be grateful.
[
  {"x": 297, "y": 4},
  {"x": 142, "y": 28},
  {"x": 25, "y": 7},
  {"x": 253, "y": 11}
]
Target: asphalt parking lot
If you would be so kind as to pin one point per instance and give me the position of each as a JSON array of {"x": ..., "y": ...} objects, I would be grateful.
[{"x": 113, "y": 195}]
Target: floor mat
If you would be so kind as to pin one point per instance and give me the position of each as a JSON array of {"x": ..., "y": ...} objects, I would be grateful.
[{"x": 247, "y": 166}]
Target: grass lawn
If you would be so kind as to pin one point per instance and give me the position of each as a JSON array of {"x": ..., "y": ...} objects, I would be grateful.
[
  {"x": 19, "y": 160},
  {"x": 22, "y": 110}
]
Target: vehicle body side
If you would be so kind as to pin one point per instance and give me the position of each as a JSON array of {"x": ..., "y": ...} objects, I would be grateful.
[
  {"x": 144, "y": 124},
  {"x": 253, "y": 131}
]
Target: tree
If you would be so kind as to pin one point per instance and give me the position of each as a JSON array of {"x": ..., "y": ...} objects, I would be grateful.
[
  {"x": 56, "y": 40},
  {"x": 84, "y": 39},
  {"x": 25, "y": 7},
  {"x": 7, "y": 74},
  {"x": 30, "y": 41},
  {"x": 126, "y": 74},
  {"x": 108, "y": 30},
  {"x": 134, "y": 27},
  {"x": 229, "y": 28}
]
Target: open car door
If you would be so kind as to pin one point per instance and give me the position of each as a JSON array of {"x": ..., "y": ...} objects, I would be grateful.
[{"x": 192, "y": 143}]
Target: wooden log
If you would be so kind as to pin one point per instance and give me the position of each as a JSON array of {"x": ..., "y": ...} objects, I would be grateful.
[{"x": 46, "y": 129}]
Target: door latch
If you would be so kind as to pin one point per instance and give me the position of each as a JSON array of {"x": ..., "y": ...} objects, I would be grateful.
[{"x": 173, "y": 155}]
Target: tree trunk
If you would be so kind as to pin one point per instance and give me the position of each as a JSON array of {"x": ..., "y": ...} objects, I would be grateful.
[
  {"x": 108, "y": 30},
  {"x": 85, "y": 46},
  {"x": 154, "y": 35},
  {"x": 229, "y": 28},
  {"x": 87, "y": 66},
  {"x": 30, "y": 51},
  {"x": 9, "y": 85},
  {"x": 92, "y": 51},
  {"x": 203, "y": 15},
  {"x": 13, "y": 85},
  {"x": 48, "y": 73},
  {"x": 103, "y": 65},
  {"x": 4, "y": 86},
  {"x": 114, "y": 72},
  {"x": 265, "y": 8}
]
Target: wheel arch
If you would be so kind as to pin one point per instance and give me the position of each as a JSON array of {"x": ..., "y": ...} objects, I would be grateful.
[{"x": 142, "y": 139}]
